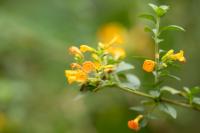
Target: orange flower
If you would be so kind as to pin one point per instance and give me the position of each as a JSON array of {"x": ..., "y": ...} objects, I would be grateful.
[
  {"x": 134, "y": 124},
  {"x": 75, "y": 51},
  {"x": 148, "y": 65},
  {"x": 116, "y": 52},
  {"x": 88, "y": 66},
  {"x": 75, "y": 76}
]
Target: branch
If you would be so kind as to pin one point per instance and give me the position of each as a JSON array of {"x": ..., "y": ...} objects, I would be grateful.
[{"x": 170, "y": 101}]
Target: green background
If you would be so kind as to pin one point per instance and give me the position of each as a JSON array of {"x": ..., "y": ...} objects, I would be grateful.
[{"x": 34, "y": 37}]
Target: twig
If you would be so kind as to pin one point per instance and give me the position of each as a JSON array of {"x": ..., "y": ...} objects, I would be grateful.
[{"x": 170, "y": 101}]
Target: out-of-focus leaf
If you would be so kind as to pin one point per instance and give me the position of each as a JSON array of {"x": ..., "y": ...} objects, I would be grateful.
[
  {"x": 123, "y": 66},
  {"x": 147, "y": 29},
  {"x": 148, "y": 17},
  {"x": 133, "y": 81},
  {"x": 161, "y": 10},
  {"x": 172, "y": 27},
  {"x": 170, "y": 90},
  {"x": 195, "y": 90},
  {"x": 174, "y": 77},
  {"x": 187, "y": 90},
  {"x": 168, "y": 109},
  {"x": 147, "y": 102},
  {"x": 154, "y": 93},
  {"x": 196, "y": 100},
  {"x": 153, "y": 6},
  {"x": 144, "y": 122},
  {"x": 151, "y": 116},
  {"x": 137, "y": 108}
]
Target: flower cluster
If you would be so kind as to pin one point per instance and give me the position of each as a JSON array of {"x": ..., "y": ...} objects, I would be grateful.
[{"x": 92, "y": 70}]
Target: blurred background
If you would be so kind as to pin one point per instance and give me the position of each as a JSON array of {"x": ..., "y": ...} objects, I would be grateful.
[{"x": 34, "y": 37}]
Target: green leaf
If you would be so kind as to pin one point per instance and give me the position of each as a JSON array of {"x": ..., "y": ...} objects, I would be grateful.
[
  {"x": 174, "y": 77},
  {"x": 148, "y": 29},
  {"x": 164, "y": 7},
  {"x": 154, "y": 93},
  {"x": 196, "y": 100},
  {"x": 170, "y": 90},
  {"x": 195, "y": 90},
  {"x": 144, "y": 122},
  {"x": 148, "y": 17},
  {"x": 161, "y": 10},
  {"x": 123, "y": 66},
  {"x": 168, "y": 109},
  {"x": 137, "y": 108},
  {"x": 188, "y": 94},
  {"x": 172, "y": 27},
  {"x": 187, "y": 90},
  {"x": 133, "y": 81},
  {"x": 154, "y": 7},
  {"x": 151, "y": 116},
  {"x": 147, "y": 102}
]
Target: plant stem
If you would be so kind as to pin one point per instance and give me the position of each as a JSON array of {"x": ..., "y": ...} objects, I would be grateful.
[
  {"x": 156, "y": 40},
  {"x": 170, "y": 101}
]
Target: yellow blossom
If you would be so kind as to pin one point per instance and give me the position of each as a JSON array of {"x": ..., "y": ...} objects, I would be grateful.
[
  {"x": 75, "y": 51},
  {"x": 148, "y": 65},
  {"x": 110, "y": 31},
  {"x": 75, "y": 76},
  {"x": 88, "y": 66},
  {"x": 85, "y": 48},
  {"x": 179, "y": 56},
  {"x": 97, "y": 65},
  {"x": 134, "y": 124},
  {"x": 170, "y": 55}
]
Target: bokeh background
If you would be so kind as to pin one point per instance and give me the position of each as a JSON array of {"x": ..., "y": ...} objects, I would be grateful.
[{"x": 34, "y": 37}]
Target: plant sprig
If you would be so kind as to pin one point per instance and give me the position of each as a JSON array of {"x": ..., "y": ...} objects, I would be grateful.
[{"x": 105, "y": 67}]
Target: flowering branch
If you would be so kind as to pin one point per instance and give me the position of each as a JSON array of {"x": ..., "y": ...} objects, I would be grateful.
[{"x": 104, "y": 66}]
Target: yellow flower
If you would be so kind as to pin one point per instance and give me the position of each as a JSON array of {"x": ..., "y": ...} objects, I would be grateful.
[
  {"x": 88, "y": 66},
  {"x": 148, "y": 65},
  {"x": 116, "y": 52},
  {"x": 96, "y": 57},
  {"x": 170, "y": 55},
  {"x": 110, "y": 31},
  {"x": 75, "y": 76},
  {"x": 85, "y": 48},
  {"x": 180, "y": 56},
  {"x": 81, "y": 76},
  {"x": 75, "y": 51},
  {"x": 97, "y": 65},
  {"x": 134, "y": 124}
]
